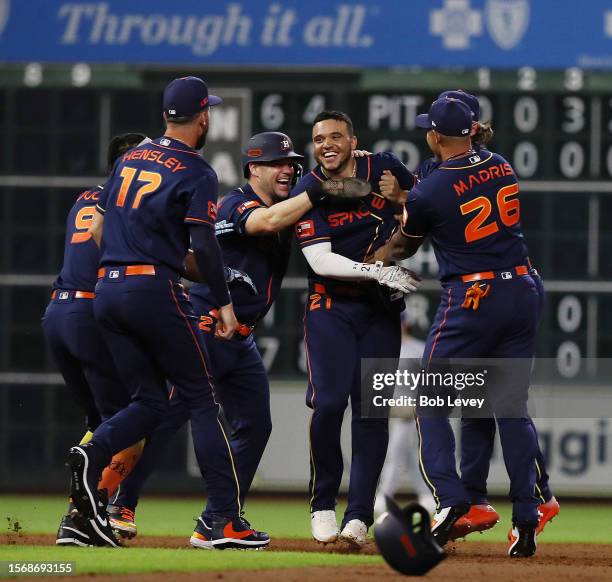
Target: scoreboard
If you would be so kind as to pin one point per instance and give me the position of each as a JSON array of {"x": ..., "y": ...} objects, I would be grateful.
[{"x": 555, "y": 128}]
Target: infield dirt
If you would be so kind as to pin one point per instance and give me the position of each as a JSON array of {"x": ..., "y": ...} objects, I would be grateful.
[{"x": 466, "y": 562}]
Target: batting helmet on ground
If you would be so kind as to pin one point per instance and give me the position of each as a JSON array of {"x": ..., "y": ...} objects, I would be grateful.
[
  {"x": 269, "y": 146},
  {"x": 404, "y": 539}
]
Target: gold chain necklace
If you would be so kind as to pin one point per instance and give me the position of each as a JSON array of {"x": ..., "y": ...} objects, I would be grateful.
[{"x": 353, "y": 175}]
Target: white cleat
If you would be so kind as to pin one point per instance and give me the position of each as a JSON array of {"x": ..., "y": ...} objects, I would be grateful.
[
  {"x": 427, "y": 501},
  {"x": 324, "y": 526},
  {"x": 355, "y": 533}
]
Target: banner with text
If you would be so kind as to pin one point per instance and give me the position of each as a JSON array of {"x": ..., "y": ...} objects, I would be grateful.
[{"x": 378, "y": 33}]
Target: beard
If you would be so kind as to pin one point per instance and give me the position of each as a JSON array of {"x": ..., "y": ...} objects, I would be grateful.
[{"x": 202, "y": 139}]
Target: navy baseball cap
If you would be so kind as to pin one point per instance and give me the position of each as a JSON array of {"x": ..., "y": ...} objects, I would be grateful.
[
  {"x": 470, "y": 100},
  {"x": 447, "y": 116},
  {"x": 187, "y": 96}
]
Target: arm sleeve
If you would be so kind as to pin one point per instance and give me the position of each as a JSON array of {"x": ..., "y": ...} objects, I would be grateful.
[
  {"x": 326, "y": 263},
  {"x": 416, "y": 217},
  {"x": 209, "y": 259}
]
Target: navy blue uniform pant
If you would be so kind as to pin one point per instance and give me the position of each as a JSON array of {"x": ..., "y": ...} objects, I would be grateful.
[
  {"x": 242, "y": 389},
  {"x": 477, "y": 438},
  {"x": 83, "y": 358},
  {"x": 504, "y": 326},
  {"x": 152, "y": 332},
  {"x": 337, "y": 333}
]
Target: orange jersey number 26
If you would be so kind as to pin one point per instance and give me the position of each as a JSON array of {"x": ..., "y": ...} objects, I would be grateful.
[{"x": 509, "y": 212}]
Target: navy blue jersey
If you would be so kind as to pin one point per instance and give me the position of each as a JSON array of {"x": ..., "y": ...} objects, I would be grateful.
[
  {"x": 470, "y": 207},
  {"x": 155, "y": 191},
  {"x": 263, "y": 258},
  {"x": 81, "y": 254},
  {"x": 355, "y": 228},
  {"x": 427, "y": 166}
]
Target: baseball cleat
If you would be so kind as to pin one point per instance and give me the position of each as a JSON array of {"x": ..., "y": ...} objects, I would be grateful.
[
  {"x": 324, "y": 526},
  {"x": 226, "y": 534},
  {"x": 122, "y": 521},
  {"x": 547, "y": 512},
  {"x": 355, "y": 533},
  {"x": 90, "y": 503},
  {"x": 443, "y": 521},
  {"x": 522, "y": 541},
  {"x": 71, "y": 534},
  {"x": 478, "y": 518}
]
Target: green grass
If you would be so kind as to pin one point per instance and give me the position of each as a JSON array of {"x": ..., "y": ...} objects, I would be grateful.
[
  {"x": 112, "y": 561},
  {"x": 283, "y": 518}
]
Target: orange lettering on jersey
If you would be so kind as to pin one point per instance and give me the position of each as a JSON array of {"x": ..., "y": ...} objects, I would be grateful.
[
  {"x": 460, "y": 187},
  {"x": 340, "y": 218},
  {"x": 508, "y": 169},
  {"x": 170, "y": 163},
  {"x": 156, "y": 156},
  {"x": 206, "y": 323},
  {"x": 484, "y": 175},
  {"x": 474, "y": 179},
  {"x": 378, "y": 202},
  {"x": 90, "y": 195}
]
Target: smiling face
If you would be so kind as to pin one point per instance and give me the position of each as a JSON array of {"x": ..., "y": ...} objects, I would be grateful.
[
  {"x": 273, "y": 179},
  {"x": 333, "y": 146}
]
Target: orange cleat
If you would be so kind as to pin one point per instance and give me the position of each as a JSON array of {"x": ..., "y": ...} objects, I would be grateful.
[
  {"x": 547, "y": 512},
  {"x": 478, "y": 518}
]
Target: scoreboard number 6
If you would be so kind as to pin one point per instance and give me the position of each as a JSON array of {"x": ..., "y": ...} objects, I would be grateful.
[{"x": 509, "y": 213}]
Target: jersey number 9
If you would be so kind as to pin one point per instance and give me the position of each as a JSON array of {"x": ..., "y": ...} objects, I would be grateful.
[
  {"x": 509, "y": 213},
  {"x": 82, "y": 221}
]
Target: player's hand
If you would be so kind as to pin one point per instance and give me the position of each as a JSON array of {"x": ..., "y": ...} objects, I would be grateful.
[
  {"x": 397, "y": 277},
  {"x": 390, "y": 188},
  {"x": 361, "y": 153},
  {"x": 227, "y": 323}
]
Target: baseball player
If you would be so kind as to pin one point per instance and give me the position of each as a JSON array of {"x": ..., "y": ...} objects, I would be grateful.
[
  {"x": 477, "y": 434},
  {"x": 159, "y": 196},
  {"x": 251, "y": 227},
  {"x": 489, "y": 305},
  {"x": 402, "y": 460},
  {"x": 348, "y": 316},
  {"x": 76, "y": 343}
]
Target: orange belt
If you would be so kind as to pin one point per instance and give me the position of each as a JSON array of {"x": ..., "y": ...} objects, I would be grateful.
[
  {"x": 132, "y": 270},
  {"x": 77, "y": 294},
  {"x": 520, "y": 270},
  {"x": 242, "y": 329}
]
